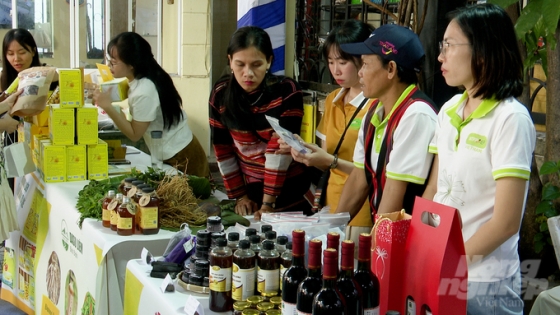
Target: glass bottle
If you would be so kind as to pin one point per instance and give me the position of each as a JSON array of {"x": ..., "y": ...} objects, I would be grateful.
[
  {"x": 249, "y": 232},
  {"x": 281, "y": 242},
  {"x": 134, "y": 188},
  {"x": 243, "y": 277},
  {"x": 156, "y": 149},
  {"x": 125, "y": 218},
  {"x": 328, "y": 301},
  {"x": 214, "y": 224},
  {"x": 270, "y": 236},
  {"x": 313, "y": 283},
  {"x": 106, "y": 214},
  {"x": 333, "y": 241},
  {"x": 114, "y": 207},
  {"x": 345, "y": 284},
  {"x": 286, "y": 258},
  {"x": 265, "y": 228},
  {"x": 294, "y": 275},
  {"x": 149, "y": 212},
  {"x": 256, "y": 247},
  {"x": 233, "y": 240},
  {"x": 269, "y": 270},
  {"x": 221, "y": 260},
  {"x": 126, "y": 185},
  {"x": 135, "y": 200},
  {"x": 366, "y": 280}
]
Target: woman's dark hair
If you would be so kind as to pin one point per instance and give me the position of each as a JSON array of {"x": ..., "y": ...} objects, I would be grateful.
[
  {"x": 25, "y": 39},
  {"x": 135, "y": 51},
  {"x": 351, "y": 31},
  {"x": 496, "y": 61},
  {"x": 237, "y": 107},
  {"x": 406, "y": 76}
]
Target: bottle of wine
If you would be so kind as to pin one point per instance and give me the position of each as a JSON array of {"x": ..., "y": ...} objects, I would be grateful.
[
  {"x": 345, "y": 284},
  {"x": 367, "y": 281},
  {"x": 295, "y": 274},
  {"x": 313, "y": 283},
  {"x": 328, "y": 301},
  {"x": 333, "y": 241}
]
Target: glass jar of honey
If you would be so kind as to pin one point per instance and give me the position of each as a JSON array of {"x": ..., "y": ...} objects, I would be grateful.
[{"x": 148, "y": 216}]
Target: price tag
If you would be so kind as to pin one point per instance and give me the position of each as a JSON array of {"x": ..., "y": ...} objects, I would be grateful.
[
  {"x": 166, "y": 282},
  {"x": 193, "y": 306},
  {"x": 188, "y": 245},
  {"x": 146, "y": 257}
]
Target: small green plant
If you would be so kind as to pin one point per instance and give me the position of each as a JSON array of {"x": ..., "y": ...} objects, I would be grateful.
[{"x": 546, "y": 208}]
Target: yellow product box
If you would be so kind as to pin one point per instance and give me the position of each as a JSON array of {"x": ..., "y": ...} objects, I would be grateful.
[
  {"x": 71, "y": 85},
  {"x": 35, "y": 144},
  {"x": 61, "y": 125},
  {"x": 42, "y": 120},
  {"x": 53, "y": 163},
  {"x": 20, "y": 132},
  {"x": 86, "y": 124},
  {"x": 98, "y": 160},
  {"x": 76, "y": 163},
  {"x": 119, "y": 88}
]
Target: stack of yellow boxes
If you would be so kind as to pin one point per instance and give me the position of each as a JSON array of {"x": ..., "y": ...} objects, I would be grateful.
[{"x": 71, "y": 151}]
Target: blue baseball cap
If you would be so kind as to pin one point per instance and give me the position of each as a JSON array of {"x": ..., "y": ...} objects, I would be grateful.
[{"x": 391, "y": 42}]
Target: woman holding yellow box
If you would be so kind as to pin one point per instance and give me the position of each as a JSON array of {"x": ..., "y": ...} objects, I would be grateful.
[{"x": 155, "y": 104}]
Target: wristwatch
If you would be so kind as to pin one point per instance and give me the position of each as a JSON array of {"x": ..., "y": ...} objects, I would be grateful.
[
  {"x": 334, "y": 163},
  {"x": 269, "y": 204}
]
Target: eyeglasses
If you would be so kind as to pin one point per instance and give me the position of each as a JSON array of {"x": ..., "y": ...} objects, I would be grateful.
[
  {"x": 444, "y": 45},
  {"x": 112, "y": 62}
]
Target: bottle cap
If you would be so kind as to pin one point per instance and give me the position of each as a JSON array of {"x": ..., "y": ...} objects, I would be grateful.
[
  {"x": 156, "y": 134},
  {"x": 314, "y": 254},
  {"x": 298, "y": 242},
  {"x": 233, "y": 236},
  {"x": 129, "y": 179},
  {"x": 214, "y": 220},
  {"x": 347, "y": 260},
  {"x": 126, "y": 200},
  {"x": 148, "y": 190},
  {"x": 244, "y": 244},
  {"x": 268, "y": 245},
  {"x": 364, "y": 247},
  {"x": 137, "y": 182},
  {"x": 330, "y": 263},
  {"x": 111, "y": 193},
  {"x": 221, "y": 242},
  {"x": 250, "y": 231},
  {"x": 255, "y": 239},
  {"x": 333, "y": 240},
  {"x": 270, "y": 235},
  {"x": 282, "y": 240},
  {"x": 289, "y": 246},
  {"x": 265, "y": 228}
]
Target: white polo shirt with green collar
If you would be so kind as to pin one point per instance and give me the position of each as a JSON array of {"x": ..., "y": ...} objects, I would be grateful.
[
  {"x": 496, "y": 141},
  {"x": 409, "y": 160}
]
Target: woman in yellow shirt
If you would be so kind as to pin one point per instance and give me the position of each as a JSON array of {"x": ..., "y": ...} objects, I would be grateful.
[{"x": 340, "y": 106}]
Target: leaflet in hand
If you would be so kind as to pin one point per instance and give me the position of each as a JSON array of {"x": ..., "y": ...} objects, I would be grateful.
[{"x": 286, "y": 135}]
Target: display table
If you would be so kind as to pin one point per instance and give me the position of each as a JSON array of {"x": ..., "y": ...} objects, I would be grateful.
[
  {"x": 142, "y": 294},
  {"x": 55, "y": 266}
]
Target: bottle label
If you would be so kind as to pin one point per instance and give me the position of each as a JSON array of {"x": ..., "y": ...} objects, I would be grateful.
[
  {"x": 282, "y": 272},
  {"x": 268, "y": 280},
  {"x": 289, "y": 308},
  {"x": 149, "y": 218},
  {"x": 114, "y": 217},
  {"x": 371, "y": 311},
  {"x": 106, "y": 215},
  {"x": 124, "y": 223},
  {"x": 220, "y": 279},
  {"x": 144, "y": 200},
  {"x": 113, "y": 204},
  {"x": 243, "y": 283},
  {"x": 131, "y": 192}
]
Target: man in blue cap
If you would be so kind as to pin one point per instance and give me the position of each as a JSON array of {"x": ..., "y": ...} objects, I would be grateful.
[{"x": 391, "y": 158}]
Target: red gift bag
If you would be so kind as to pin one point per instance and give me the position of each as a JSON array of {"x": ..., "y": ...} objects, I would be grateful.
[
  {"x": 435, "y": 273},
  {"x": 387, "y": 257}
]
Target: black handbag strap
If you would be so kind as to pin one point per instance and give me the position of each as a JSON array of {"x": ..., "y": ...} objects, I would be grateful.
[{"x": 349, "y": 123}]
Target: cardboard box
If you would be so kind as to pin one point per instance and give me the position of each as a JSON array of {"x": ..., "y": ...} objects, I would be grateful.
[
  {"x": 42, "y": 120},
  {"x": 98, "y": 160},
  {"x": 86, "y": 124},
  {"x": 61, "y": 125},
  {"x": 119, "y": 90},
  {"x": 76, "y": 158},
  {"x": 71, "y": 84},
  {"x": 35, "y": 144},
  {"x": 53, "y": 163}
]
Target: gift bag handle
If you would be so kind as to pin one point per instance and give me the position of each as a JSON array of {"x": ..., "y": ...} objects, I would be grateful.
[{"x": 446, "y": 214}]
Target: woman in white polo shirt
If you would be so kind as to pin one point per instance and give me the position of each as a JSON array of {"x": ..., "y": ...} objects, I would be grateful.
[
  {"x": 484, "y": 143},
  {"x": 154, "y": 104}
]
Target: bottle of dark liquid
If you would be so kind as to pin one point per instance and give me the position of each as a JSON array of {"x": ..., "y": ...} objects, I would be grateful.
[
  {"x": 285, "y": 261},
  {"x": 125, "y": 218},
  {"x": 136, "y": 200},
  {"x": 333, "y": 241},
  {"x": 270, "y": 236},
  {"x": 243, "y": 277},
  {"x": 328, "y": 301},
  {"x": 265, "y": 228},
  {"x": 269, "y": 268},
  {"x": 233, "y": 241},
  {"x": 148, "y": 212},
  {"x": 134, "y": 188},
  {"x": 256, "y": 247},
  {"x": 313, "y": 283},
  {"x": 281, "y": 242},
  {"x": 221, "y": 261},
  {"x": 126, "y": 185},
  {"x": 366, "y": 280},
  {"x": 106, "y": 214},
  {"x": 114, "y": 208},
  {"x": 295, "y": 274},
  {"x": 345, "y": 284}
]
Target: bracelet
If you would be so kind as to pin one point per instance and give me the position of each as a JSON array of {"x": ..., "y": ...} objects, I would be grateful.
[{"x": 334, "y": 163}]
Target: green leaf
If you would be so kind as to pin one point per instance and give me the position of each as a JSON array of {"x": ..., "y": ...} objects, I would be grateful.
[
  {"x": 550, "y": 192},
  {"x": 539, "y": 246},
  {"x": 551, "y": 15},
  {"x": 548, "y": 167},
  {"x": 538, "y": 237},
  {"x": 543, "y": 227},
  {"x": 551, "y": 213},
  {"x": 544, "y": 206},
  {"x": 503, "y": 3},
  {"x": 527, "y": 19}
]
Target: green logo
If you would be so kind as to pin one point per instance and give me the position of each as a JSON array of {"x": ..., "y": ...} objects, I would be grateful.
[
  {"x": 476, "y": 140},
  {"x": 356, "y": 123},
  {"x": 64, "y": 232}
]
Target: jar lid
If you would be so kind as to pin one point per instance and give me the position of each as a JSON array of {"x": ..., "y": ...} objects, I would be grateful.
[
  {"x": 250, "y": 311},
  {"x": 241, "y": 305},
  {"x": 276, "y": 300},
  {"x": 265, "y": 306},
  {"x": 255, "y": 299},
  {"x": 269, "y": 293},
  {"x": 148, "y": 190},
  {"x": 273, "y": 312},
  {"x": 137, "y": 182},
  {"x": 130, "y": 179},
  {"x": 214, "y": 220}
]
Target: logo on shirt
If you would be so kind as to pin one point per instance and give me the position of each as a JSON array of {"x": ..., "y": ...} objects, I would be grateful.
[
  {"x": 476, "y": 142},
  {"x": 356, "y": 123}
]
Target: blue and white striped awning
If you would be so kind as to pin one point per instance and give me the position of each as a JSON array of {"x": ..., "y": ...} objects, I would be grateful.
[{"x": 271, "y": 16}]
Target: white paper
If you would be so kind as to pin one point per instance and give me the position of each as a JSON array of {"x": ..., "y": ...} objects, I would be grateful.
[
  {"x": 193, "y": 306},
  {"x": 188, "y": 245},
  {"x": 146, "y": 257},
  {"x": 165, "y": 283},
  {"x": 286, "y": 135}
]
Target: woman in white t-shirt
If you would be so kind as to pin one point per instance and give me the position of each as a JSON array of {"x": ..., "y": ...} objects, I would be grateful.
[
  {"x": 155, "y": 104},
  {"x": 484, "y": 142}
]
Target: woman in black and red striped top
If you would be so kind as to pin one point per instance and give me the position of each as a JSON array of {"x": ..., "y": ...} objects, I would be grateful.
[{"x": 258, "y": 178}]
